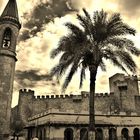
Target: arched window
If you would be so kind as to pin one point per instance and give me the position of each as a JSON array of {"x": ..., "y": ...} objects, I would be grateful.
[
  {"x": 112, "y": 134},
  {"x": 68, "y": 134},
  {"x": 83, "y": 134},
  {"x": 7, "y": 38},
  {"x": 136, "y": 134},
  {"x": 125, "y": 134},
  {"x": 99, "y": 134}
]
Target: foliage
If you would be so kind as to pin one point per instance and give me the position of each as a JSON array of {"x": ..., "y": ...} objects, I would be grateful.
[{"x": 98, "y": 38}]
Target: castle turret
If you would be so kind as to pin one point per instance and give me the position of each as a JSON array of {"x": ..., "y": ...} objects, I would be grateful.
[
  {"x": 9, "y": 30},
  {"x": 125, "y": 89}
]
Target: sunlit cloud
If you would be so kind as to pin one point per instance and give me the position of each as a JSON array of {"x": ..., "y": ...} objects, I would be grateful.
[{"x": 42, "y": 27}]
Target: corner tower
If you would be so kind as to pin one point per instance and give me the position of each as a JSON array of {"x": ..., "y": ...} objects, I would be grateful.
[{"x": 9, "y": 30}]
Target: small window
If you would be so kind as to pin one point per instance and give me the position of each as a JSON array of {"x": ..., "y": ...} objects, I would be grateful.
[
  {"x": 7, "y": 38},
  {"x": 68, "y": 134},
  {"x": 83, "y": 134}
]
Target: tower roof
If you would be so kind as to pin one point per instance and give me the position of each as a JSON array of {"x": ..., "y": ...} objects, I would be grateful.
[{"x": 11, "y": 10}]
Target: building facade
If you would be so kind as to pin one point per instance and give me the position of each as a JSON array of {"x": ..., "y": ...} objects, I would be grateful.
[
  {"x": 65, "y": 117},
  {"x": 57, "y": 125}
]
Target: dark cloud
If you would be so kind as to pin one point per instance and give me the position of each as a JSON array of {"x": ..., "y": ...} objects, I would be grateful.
[
  {"x": 43, "y": 14},
  {"x": 130, "y": 7},
  {"x": 30, "y": 78}
]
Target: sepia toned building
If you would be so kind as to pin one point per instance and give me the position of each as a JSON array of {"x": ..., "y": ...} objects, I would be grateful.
[
  {"x": 62, "y": 117},
  {"x": 65, "y": 117}
]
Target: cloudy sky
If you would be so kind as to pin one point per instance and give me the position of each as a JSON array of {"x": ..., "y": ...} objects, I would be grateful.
[{"x": 43, "y": 25}]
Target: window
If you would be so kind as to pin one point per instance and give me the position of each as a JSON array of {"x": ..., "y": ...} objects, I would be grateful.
[
  {"x": 125, "y": 134},
  {"x": 68, "y": 134},
  {"x": 136, "y": 134},
  {"x": 7, "y": 38},
  {"x": 83, "y": 134},
  {"x": 99, "y": 134},
  {"x": 112, "y": 134}
]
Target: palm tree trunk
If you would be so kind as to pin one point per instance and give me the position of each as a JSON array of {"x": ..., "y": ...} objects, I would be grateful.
[{"x": 93, "y": 72}]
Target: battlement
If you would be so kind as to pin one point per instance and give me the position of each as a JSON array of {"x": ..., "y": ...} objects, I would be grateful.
[
  {"x": 78, "y": 97},
  {"x": 71, "y": 96},
  {"x": 26, "y": 91}
]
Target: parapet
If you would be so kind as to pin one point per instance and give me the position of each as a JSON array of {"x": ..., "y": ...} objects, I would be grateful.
[
  {"x": 26, "y": 92},
  {"x": 72, "y": 97}
]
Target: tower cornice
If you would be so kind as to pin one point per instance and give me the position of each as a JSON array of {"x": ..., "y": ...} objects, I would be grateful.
[
  {"x": 10, "y": 20},
  {"x": 10, "y": 14}
]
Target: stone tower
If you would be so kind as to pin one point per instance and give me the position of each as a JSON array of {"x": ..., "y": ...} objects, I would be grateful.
[
  {"x": 125, "y": 89},
  {"x": 9, "y": 30}
]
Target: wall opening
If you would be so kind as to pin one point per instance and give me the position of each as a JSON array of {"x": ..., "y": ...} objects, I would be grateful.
[
  {"x": 44, "y": 134},
  {"x": 136, "y": 134},
  {"x": 99, "y": 134},
  {"x": 68, "y": 134},
  {"x": 40, "y": 135},
  {"x": 125, "y": 134},
  {"x": 112, "y": 134},
  {"x": 83, "y": 134},
  {"x": 7, "y": 38}
]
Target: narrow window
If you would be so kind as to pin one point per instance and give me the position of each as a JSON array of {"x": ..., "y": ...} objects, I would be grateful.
[
  {"x": 83, "y": 134},
  {"x": 68, "y": 134},
  {"x": 125, "y": 134},
  {"x": 7, "y": 38}
]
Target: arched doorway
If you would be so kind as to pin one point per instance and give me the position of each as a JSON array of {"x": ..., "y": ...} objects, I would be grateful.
[
  {"x": 112, "y": 134},
  {"x": 125, "y": 134},
  {"x": 68, "y": 134},
  {"x": 136, "y": 134},
  {"x": 99, "y": 134},
  {"x": 83, "y": 134}
]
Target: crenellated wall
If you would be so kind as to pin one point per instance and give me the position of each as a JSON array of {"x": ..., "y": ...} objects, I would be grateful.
[
  {"x": 106, "y": 103},
  {"x": 30, "y": 105}
]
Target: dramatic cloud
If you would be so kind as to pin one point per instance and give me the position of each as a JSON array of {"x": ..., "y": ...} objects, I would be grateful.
[
  {"x": 43, "y": 13},
  {"x": 130, "y": 7},
  {"x": 34, "y": 76},
  {"x": 42, "y": 27}
]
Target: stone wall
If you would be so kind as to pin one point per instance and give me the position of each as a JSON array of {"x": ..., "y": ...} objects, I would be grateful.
[
  {"x": 105, "y": 103},
  {"x": 30, "y": 105}
]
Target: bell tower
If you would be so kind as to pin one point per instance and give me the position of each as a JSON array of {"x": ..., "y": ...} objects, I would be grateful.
[{"x": 9, "y": 30}]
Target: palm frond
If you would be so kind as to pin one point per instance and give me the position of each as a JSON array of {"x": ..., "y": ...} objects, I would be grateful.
[
  {"x": 69, "y": 76},
  {"x": 111, "y": 56},
  {"x": 124, "y": 43},
  {"x": 55, "y": 52},
  {"x": 114, "y": 20},
  {"x": 102, "y": 66},
  {"x": 87, "y": 15},
  {"x": 73, "y": 28},
  {"x": 135, "y": 51},
  {"x": 100, "y": 17},
  {"x": 87, "y": 24},
  {"x": 128, "y": 29},
  {"x": 82, "y": 76},
  {"x": 127, "y": 60}
]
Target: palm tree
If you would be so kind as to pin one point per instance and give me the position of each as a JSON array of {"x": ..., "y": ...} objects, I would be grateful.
[{"x": 99, "y": 38}]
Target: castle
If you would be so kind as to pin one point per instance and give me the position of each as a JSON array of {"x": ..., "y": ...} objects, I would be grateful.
[
  {"x": 62, "y": 117},
  {"x": 54, "y": 117}
]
